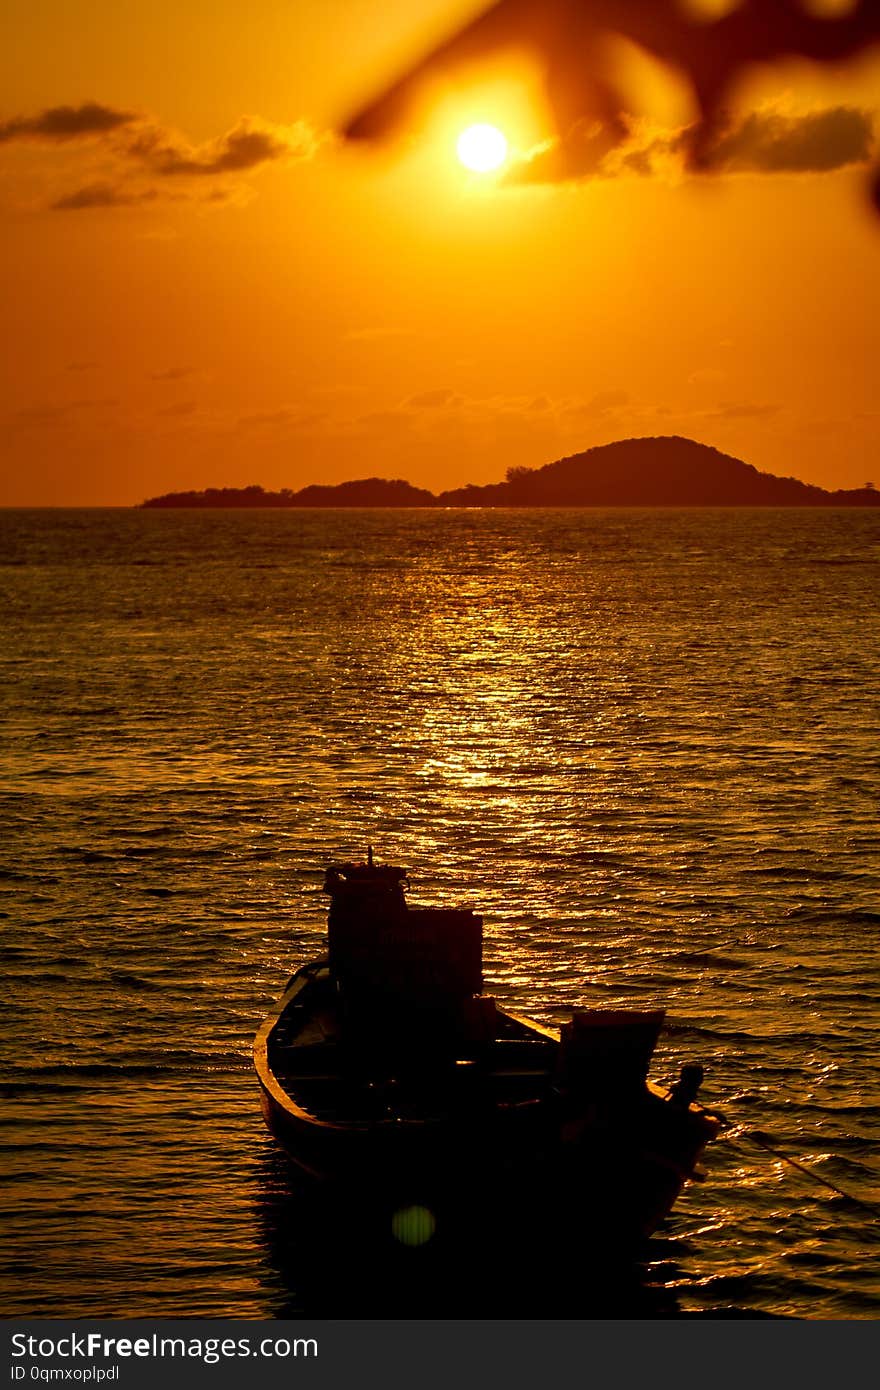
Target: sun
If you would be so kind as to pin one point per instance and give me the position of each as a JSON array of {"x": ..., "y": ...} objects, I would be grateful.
[{"x": 482, "y": 148}]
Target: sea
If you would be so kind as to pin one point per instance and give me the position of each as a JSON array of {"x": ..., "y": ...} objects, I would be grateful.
[{"x": 643, "y": 744}]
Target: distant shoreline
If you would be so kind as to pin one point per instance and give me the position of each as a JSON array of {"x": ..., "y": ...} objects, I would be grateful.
[
  {"x": 668, "y": 471},
  {"x": 159, "y": 504}
]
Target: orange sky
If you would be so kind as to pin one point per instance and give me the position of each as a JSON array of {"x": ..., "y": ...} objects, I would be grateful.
[{"x": 203, "y": 288}]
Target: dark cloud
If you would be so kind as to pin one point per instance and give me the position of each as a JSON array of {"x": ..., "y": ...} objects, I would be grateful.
[
  {"x": 172, "y": 374},
  {"x": 245, "y": 149},
  {"x": 56, "y": 412},
  {"x": 249, "y": 144},
  {"x": 135, "y": 148},
  {"x": 66, "y": 123},
  {"x": 767, "y": 141},
  {"x": 102, "y": 195}
]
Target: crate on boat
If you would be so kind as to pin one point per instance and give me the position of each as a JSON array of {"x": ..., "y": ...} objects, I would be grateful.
[{"x": 608, "y": 1051}]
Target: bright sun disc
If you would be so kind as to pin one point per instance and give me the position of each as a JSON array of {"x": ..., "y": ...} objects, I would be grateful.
[{"x": 482, "y": 148}]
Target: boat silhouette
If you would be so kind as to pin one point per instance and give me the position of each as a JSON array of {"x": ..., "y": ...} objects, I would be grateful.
[{"x": 385, "y": 1067}]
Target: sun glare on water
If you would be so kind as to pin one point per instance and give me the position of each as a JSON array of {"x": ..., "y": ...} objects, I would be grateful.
[{"x": 482, "y": 148}]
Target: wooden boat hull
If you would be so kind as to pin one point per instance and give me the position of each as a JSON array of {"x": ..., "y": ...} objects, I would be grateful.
[{"x": 486, "y": 1130}]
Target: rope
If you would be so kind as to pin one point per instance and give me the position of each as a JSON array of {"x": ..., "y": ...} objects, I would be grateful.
[{"x": 793, "y": 1162}]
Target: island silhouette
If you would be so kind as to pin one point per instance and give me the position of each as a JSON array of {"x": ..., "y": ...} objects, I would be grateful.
[{"x": 665, "y": 471}]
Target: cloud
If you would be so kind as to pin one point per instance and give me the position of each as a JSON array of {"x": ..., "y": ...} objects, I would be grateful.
[
  {"x": 604, "y": 401},
  {"x": 768, "y": 141},
  {"x": 247, "y": 145},
  {"x": 287, "y": 417},
  {"x": 102, "y": 195},
  {"x": 46, "y": 414},
  {"x": 172, "y": 374},
  {"x": 137, "y": 154},
  {"x": 60, "y": 123},
  {"x": 581, "y": 154},
  {"x": 610, "y": 409},
  {"x": 707, "y": 376},
  {"x": 106, "y": 194},
  {"x": 51, "y": 413},
  {"x": 179, "y": 408},
  {"x": 741, "y": 410},
  {"x": 431, "y": 400},
  {"x": 386, "y": 423}
]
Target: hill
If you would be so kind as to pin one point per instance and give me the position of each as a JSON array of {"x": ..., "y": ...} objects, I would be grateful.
[
  {"x": 661, "y": 472},
  {"x": 667, "y": 471}
]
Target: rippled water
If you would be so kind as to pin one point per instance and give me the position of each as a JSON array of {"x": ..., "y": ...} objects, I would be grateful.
[{"x": 643, "y": 744}]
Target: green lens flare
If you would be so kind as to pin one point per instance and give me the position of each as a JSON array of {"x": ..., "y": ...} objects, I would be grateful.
[{"x": 413, "y": 1225}]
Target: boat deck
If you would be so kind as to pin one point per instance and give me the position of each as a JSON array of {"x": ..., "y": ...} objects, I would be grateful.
[{"x": 331, "y": 1082}]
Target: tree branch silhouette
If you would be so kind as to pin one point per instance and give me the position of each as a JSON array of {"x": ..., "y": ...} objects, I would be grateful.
[{"x": 568, "y": 39}]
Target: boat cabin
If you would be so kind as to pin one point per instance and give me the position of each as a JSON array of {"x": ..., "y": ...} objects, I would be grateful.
[{"x": 416, "y": 971}]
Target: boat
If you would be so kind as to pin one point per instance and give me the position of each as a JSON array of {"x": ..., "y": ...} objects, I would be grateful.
[{"x": 385, "y": 1066}]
